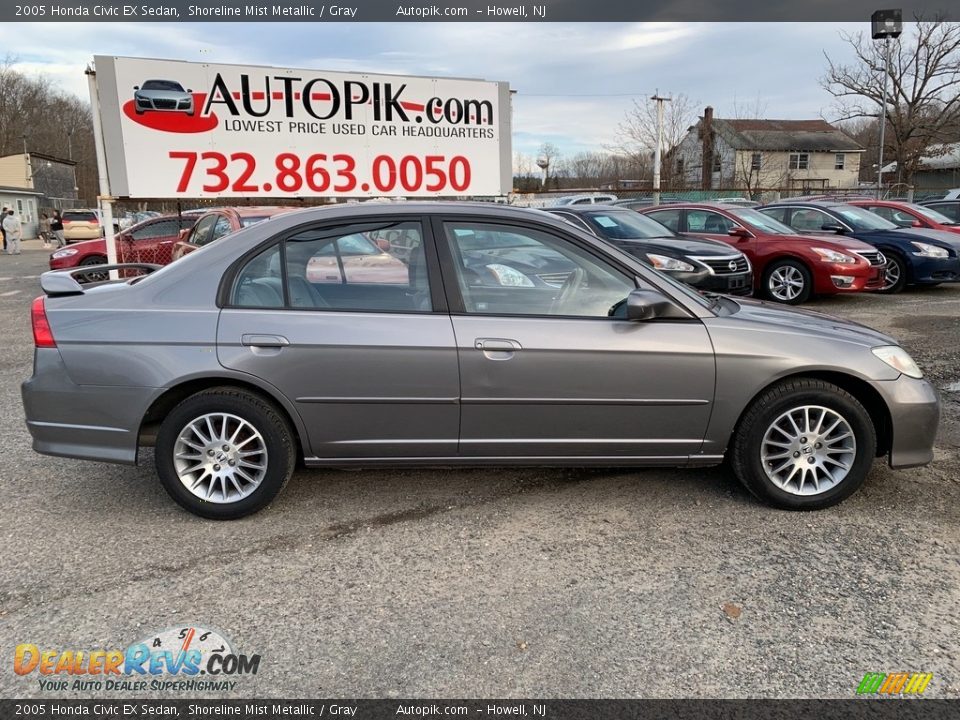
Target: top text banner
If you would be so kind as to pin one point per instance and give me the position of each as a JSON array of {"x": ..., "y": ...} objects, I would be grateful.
[
  {"x": 182, "y": 129},
  {"x": 464, "y": 11}
]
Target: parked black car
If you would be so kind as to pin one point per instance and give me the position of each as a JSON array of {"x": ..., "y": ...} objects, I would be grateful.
[
  {"x": 704, "y": 264},
  {"x": 915, "y": 256}
]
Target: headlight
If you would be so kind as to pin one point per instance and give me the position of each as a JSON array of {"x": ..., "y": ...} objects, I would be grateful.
[
  {"x": 662, "y": 262},
  {"x": 66, "y": 252},
  {"x": 834, "y": 256},
  {"x": 927, "y": 250},
  {"x": 508, "y": 276},
  {"x": 897, "y": 358}
]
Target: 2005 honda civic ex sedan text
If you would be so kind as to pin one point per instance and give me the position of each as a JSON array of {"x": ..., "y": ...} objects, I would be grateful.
[{"x": 509, "y": 338}]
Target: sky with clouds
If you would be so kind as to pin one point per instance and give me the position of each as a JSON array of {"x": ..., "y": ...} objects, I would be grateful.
[{"x": 574, "y": 81}]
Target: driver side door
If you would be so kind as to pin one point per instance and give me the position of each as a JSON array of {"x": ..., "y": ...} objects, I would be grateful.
[{"x": 550, "y": 367}]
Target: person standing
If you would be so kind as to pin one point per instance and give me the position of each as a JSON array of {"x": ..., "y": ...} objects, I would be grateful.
[
  {"x": 3, "y": 216},
  {"x": 45, "y": 229},
  {"x": 11, "y": 225},
  {"x": 56, "y": 228}
]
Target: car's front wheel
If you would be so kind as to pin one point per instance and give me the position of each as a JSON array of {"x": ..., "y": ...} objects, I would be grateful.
[
  {"x": 224, "y": 453},
  {"x": 894, "y": 275},
  {"x": 93, "y": 275},
  {"x": 788, "y": 281},
  {"x": 804, "y": 444}
]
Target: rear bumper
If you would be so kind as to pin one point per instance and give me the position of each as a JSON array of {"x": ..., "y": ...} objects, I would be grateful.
[
  {"x": 80, "y": 421},
  {"x": 915, "y": 412}
]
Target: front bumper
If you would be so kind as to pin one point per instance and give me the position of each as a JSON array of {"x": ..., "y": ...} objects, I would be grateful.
[
  {"x": 734, "y": 284},
  {"x": 914, "y": 413},
  {"x": 924, "y": 271}
]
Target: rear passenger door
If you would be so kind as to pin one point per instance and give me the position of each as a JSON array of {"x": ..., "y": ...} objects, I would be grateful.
[{"x": 357, "y": 338}]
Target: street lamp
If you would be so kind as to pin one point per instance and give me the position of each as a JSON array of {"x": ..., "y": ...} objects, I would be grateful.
[
  {"x": 885, "y": 24},
  {"x": 659, "y": 147}
]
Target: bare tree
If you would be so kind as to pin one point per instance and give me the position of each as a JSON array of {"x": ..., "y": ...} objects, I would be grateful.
[
  {"x": 637, "y": 134},
  {"x": 924, "y": 104},
  {"x": 35, "y": 115}
]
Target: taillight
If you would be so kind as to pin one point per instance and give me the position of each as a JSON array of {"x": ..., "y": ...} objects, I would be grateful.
[{"x": 42, "y": 334}]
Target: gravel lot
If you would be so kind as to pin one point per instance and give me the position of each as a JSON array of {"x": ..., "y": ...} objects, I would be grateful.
[{"x": 513, "y": 583}]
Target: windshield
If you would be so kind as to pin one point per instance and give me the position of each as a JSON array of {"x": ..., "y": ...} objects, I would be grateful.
[
  {"x": 861, "y": 219},
  {"x": 931, "y": 214},
  {"x": 163, "y": 85},
  {"x": 625, "y": 225},
  {"x": 762, "y": 222}
]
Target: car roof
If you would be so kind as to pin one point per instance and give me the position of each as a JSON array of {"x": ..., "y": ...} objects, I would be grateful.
[
  {"x": 812, "y": 203},
  {"x": 584, "y": 209}
]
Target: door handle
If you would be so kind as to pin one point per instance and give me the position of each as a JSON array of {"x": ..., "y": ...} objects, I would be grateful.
[
  {"x": 271, "y": 341},
  {"x": 497, "y": 344}
]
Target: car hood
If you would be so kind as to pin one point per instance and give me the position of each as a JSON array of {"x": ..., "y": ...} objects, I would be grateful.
[
  {"x": 679, "y": 244},
  {"x": 935, "y": 237},
  {"x": 87, "y": 245},
  {"x": 809, "y": 322}
]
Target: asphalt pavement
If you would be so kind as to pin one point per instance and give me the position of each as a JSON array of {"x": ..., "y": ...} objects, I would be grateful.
[{"x": 495, "y": 583}]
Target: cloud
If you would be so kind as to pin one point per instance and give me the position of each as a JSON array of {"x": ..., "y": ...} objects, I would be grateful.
[{"x": 574, "y": 81}]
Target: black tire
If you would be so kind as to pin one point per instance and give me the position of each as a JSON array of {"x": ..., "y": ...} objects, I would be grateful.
[
  {"x": 775, "y": 291},
  {"x": 275, "y": 435},
  {"x": 748, "y": 440},
  {"x": 897, "y": 266},
  {"x": 93, "y": 276}
]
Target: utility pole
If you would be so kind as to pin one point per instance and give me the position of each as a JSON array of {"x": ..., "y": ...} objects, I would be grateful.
[{"x": 656, "y": 151}]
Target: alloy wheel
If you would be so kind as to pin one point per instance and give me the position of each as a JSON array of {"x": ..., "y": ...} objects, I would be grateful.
[
  {"x": 808, "y": 450},
  {"x": 786, "y": 283},
  {"x": 891, "y": 274}
]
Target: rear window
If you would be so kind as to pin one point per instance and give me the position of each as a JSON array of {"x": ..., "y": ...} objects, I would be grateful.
[{"x": 79, "y": 216}]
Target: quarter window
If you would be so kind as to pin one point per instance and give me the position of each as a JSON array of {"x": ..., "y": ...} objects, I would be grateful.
[
  {"x": 799, "y": 161},
  {"x": 200, "y": 235},
  {"x": 509, "y": 270}
]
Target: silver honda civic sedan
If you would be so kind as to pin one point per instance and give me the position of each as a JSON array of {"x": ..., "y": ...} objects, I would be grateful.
[{"x": 456, "y": 334}]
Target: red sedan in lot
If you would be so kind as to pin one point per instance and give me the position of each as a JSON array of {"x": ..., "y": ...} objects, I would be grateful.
[
  {"x": 214, "y": 224},
  {"x": 787, "y": 267},
  {"x": 150, "y": 241},
  {"x": 907, "y": 214}
]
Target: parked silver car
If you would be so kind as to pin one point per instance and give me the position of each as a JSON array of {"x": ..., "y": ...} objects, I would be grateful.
[
  {"x": 163, "y": 95},
  {"x": 242, "y": 356}
]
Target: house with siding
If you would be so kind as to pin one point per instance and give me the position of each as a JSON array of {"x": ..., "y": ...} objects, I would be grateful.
[
  {"x": 806, "y": 155},
  {"x": 32, "y": 183}
]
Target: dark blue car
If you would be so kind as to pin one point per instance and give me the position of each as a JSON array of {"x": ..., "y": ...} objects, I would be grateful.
[{"x": 915, "y": 256}]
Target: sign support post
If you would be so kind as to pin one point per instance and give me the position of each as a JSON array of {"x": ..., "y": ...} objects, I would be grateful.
[{"x": 105, "y": 199}]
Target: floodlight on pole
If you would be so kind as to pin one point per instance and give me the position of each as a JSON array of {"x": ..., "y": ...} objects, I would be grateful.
[{"x": 885, "y": 24}]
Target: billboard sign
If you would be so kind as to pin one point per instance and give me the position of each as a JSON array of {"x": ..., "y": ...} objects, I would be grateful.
[{"x": 181, "y": 129}]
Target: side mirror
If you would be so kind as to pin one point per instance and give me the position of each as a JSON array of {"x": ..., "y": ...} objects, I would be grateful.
[
  {"x": 647, "y": 305},
  {"x": 136, "y": 87},
  {"x": 182, "y": 235},
  {"x": 189, "y": 90},
  {"x": 833, "y": 227},
  {"x": 739, "y": 232}
]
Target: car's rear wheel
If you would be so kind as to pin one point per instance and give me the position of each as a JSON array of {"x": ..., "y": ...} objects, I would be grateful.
[
  {"x": 224, "y": 453},
  {"x": 894, "y": 275},
  {"x": 787, "y": 281},
  {"x": 93, "y": 275},
  {"x": 804, "y": 444}
]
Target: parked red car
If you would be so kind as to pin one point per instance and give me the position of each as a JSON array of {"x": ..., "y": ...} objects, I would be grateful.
[
  {"x": 150, "y": 241},
  {"x": 787, "y": 267},
  {"x": 214, "y": 224},
  {"x": 907, "y": 214}
]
